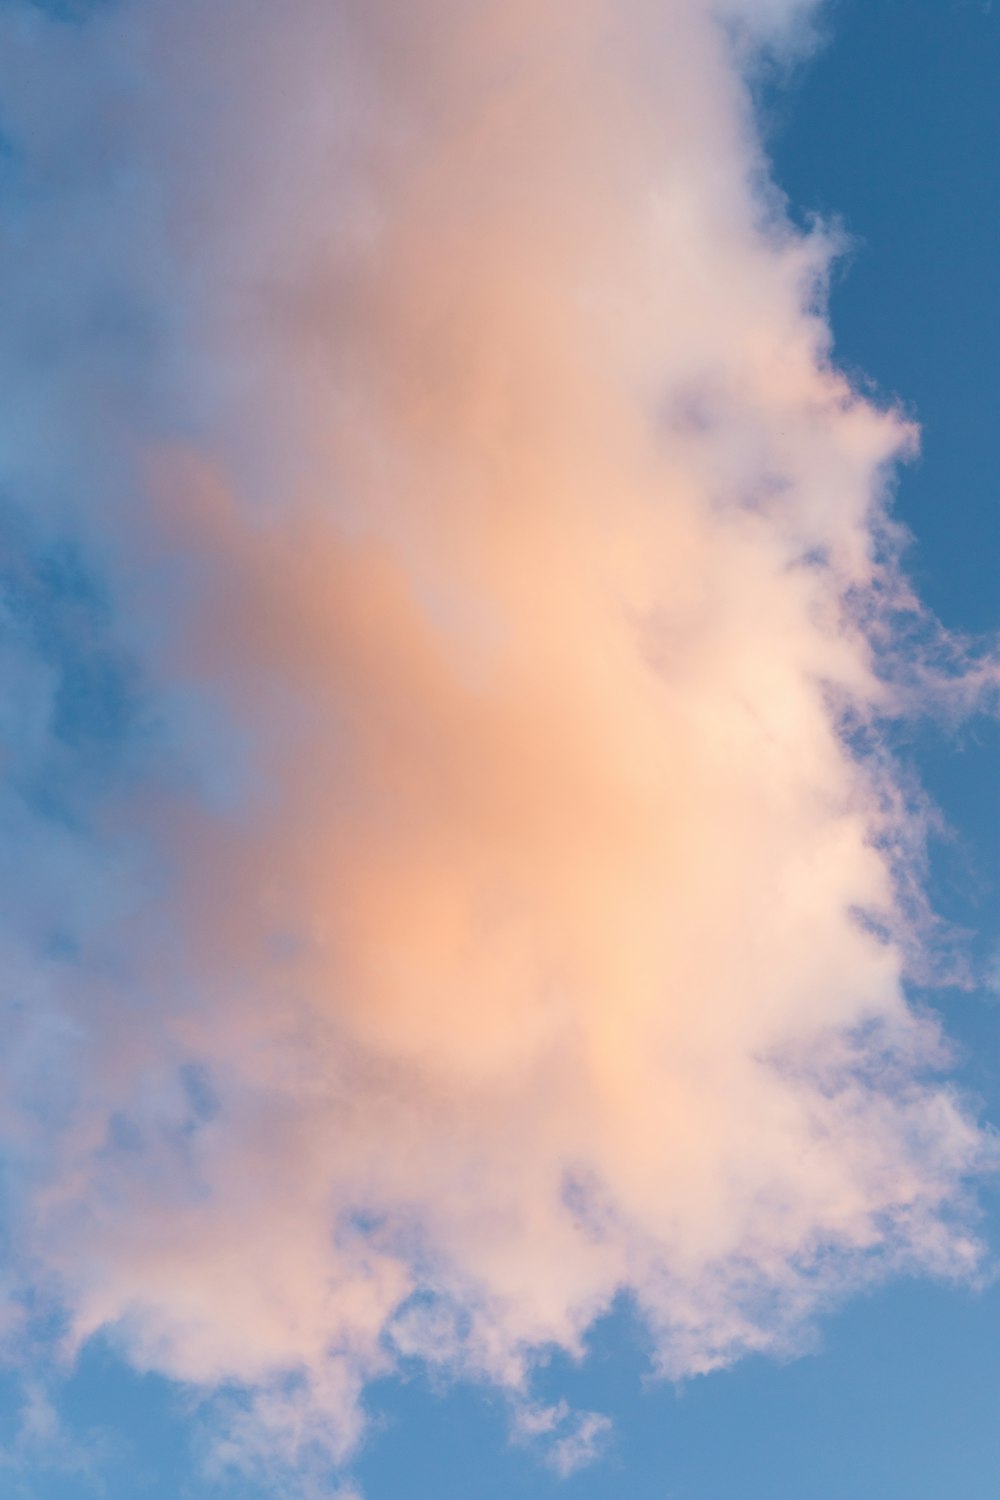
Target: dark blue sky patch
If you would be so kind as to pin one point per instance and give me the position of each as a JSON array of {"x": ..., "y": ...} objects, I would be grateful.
[
  {"x": 82, "y": 704},
  {"x": 71, "y": 11},
  {"x": 200, "y": 1093}
]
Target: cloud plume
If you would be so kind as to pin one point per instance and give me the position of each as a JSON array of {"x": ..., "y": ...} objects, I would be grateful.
[{"x": 476, "y": 883}]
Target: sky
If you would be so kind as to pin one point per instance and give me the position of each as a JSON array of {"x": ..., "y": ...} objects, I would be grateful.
[{"x": 499, "y": 880}]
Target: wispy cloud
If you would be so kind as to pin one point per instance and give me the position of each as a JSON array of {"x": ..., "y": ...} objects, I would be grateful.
[{"x": 572, "y": 1439}]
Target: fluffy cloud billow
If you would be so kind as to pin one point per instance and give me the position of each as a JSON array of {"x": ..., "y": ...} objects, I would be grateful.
[{"x": 451, "y": 619}]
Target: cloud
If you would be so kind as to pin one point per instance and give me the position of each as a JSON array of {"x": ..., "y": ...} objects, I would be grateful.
[
  {"x": 505, "y": 895},
  {"x": 575, "y": 1438}
]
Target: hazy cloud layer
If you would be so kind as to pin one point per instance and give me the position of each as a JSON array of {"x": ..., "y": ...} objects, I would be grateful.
[{"x": 454, "y": 870}]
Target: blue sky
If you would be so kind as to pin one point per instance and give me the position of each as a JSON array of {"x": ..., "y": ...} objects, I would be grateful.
[{"x": 891, "y": 127}]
